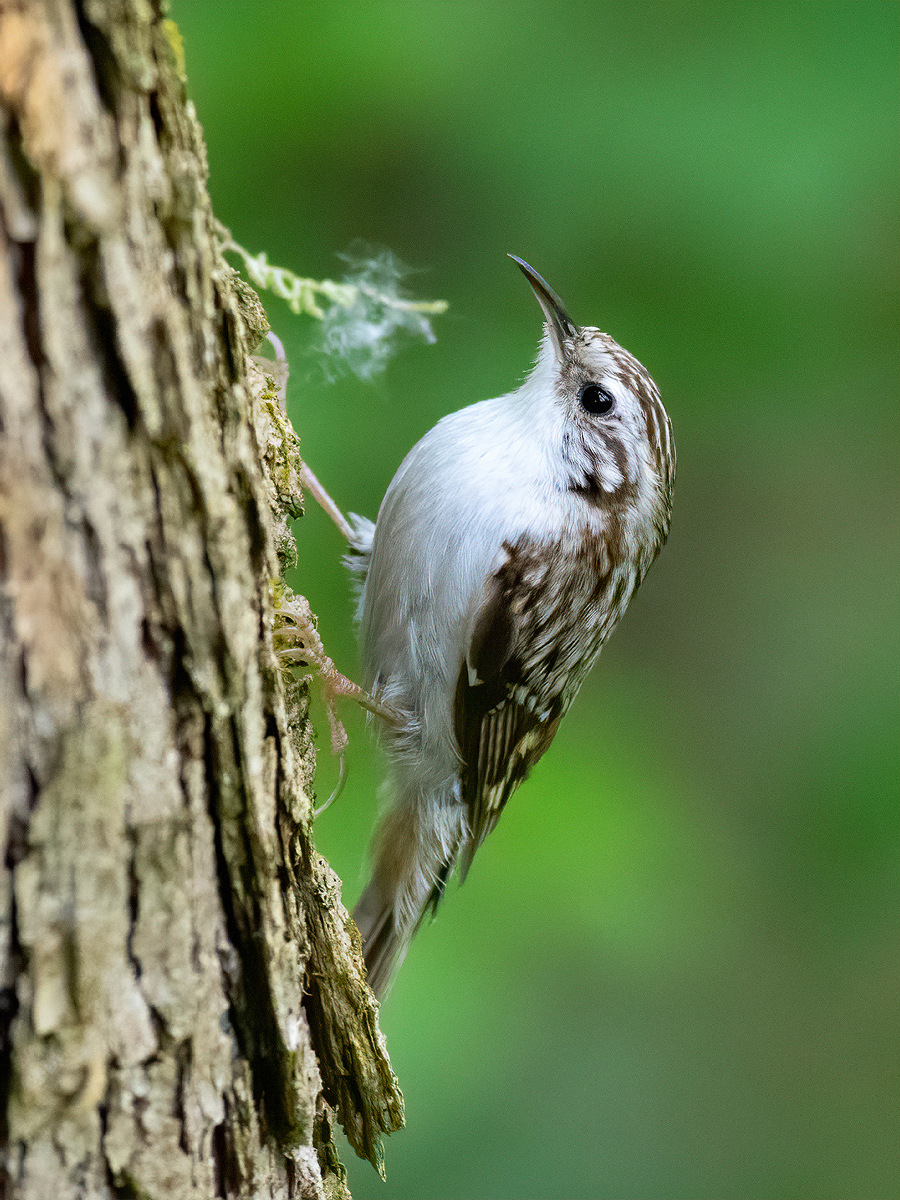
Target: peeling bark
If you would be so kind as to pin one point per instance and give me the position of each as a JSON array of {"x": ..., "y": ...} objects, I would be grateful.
[{"x": 183, "y": 1009}]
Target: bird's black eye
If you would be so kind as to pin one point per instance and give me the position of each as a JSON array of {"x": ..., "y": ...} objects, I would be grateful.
[{"x": 596, "y": 400}]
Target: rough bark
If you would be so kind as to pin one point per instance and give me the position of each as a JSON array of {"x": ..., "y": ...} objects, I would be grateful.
[{"x": 183, "y": 1007}]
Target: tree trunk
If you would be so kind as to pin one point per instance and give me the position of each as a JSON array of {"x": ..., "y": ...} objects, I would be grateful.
[{"x": 183, "y": 1006}]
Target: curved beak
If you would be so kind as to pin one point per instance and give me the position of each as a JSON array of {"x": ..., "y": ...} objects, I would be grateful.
[{"x": 558, "y": 321}]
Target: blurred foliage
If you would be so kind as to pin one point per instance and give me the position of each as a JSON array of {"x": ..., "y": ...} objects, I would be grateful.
[{"x": 672, "y": 971}]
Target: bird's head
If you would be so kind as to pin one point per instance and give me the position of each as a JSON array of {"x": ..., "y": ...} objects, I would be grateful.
[{"x": 611, "y": 432}]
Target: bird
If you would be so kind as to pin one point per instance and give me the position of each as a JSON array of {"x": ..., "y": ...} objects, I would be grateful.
[{"x": 506, "y": 549}]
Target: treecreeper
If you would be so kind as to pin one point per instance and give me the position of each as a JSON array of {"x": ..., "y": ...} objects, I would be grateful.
[{"x": 507, "y": 548}]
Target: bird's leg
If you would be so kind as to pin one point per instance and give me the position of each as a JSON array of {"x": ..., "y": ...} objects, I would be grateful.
[
  {"x": 310, "y": 482},
  {"x": 306, "y": 647},
  {"x": 325, "y": 501},
  {"x": 296, "y": 630}
]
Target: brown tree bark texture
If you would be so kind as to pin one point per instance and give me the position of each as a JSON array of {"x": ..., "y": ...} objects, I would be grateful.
[{"x": 183, "y": 1007}]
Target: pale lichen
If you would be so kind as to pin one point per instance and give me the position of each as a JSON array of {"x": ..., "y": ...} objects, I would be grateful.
[{"x": 365, "y": 312}]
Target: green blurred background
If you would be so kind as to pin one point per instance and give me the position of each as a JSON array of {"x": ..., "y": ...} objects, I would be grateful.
[{"x": 672, "y": 971}]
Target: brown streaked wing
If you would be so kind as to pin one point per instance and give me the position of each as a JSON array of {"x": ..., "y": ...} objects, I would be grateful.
[{"x": 500, "y": 739}]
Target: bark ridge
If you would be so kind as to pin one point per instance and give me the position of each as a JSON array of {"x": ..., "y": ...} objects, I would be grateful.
[{"x": 182, "y": 1005}]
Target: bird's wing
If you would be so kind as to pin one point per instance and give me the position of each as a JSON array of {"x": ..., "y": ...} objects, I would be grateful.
[{"x": 501, "y": 727}]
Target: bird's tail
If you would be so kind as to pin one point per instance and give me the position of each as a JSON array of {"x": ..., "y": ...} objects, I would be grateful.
[
  {"x": 384, "y": 945},
  {"x": 414, "y": 858},
  {"x": 385, "y": 940}
]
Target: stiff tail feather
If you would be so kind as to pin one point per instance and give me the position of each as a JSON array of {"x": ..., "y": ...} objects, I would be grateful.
[{"x": 384, "y": 945}]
